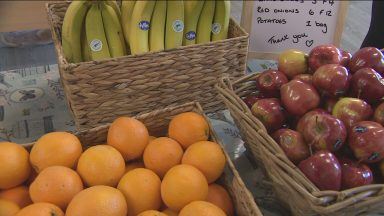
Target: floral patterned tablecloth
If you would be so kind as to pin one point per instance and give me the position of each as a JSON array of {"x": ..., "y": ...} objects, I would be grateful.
[{"x": 32, "y": 103}]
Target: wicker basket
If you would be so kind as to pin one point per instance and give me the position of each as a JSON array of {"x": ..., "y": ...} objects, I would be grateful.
[
  {"x": 290, "y": 184},
  {"x": 157, "y": 124},
  {"x": 98, "y": 91}
]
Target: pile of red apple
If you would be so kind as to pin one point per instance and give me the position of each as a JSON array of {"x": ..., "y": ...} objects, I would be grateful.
[{"x": 326, "y": 111}]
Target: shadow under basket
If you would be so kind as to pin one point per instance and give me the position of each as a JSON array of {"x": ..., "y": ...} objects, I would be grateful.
[
  {"x": 291, "y": 185},
  {"x": 157, "y": 124},
  {"x": 98, "y": 91}
]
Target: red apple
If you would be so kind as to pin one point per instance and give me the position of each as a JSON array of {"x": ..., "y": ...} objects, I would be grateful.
[
  {"x": 293, "y": 62},
  {"x": 299, "y": 97},
  {"x": 351, "y": 111},
  {"x": 303, "y": 121},
  {"x": 378, "y": 116},
  {"x": 269, "y": 82},
  {"x": 324, "y": 132},
  {"x": 322, "y": 55},
  {"x": 292, "y": 143},
  {"x": 322, "y": 169},
  {"x": 252, "y": 98},
  {"x": 307, "y": 78},
  {"x": 367, "y": 143},
  {"x": 345, "y": 58},
  {"x": 367, "y": 57},
  {"x": 329, "y": 103},
  {"x": 331, "y": 80},
  {"x": 361, "y": 127},
  {"x": 270, "y": 112},
  {"x": 368, "y": 85},
  {"x": 354, "y": 174}
]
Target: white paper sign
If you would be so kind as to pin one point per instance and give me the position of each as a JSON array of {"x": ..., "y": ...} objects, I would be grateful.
[{"x": 280, "y": 25}]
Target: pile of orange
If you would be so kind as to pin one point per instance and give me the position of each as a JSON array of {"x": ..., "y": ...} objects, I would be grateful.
[{"x": 132, "y": 174}]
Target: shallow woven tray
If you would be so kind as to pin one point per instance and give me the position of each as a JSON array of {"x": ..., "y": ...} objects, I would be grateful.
[
  {"x": 292, "y": 187},
  {"x": 98, "y": 91}
]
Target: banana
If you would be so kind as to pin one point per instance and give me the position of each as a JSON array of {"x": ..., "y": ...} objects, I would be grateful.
[
  {"x": 221, "y": 20},
  {"x": 94, "y": 30},
  {"x": 113, "y": 31},
  {"x": 174, "y": 24},
  {"x": 126, "y": 16},
  {"x": 71, "y": 30},
  {"x": 115, "y": 7},
  {"x": 157, "y": 31},
  {"x": 192, "y": 10},
  {"x": 140, "y": 25},
  {"x": 86, "y": 53},
  {"x": 204, "y": 26}
]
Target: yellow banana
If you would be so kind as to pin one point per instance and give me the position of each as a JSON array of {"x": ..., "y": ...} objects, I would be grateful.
[
  {"x": 71, "y": 30},
  {"x": 113, "y": 31},
  {"x": 94, "y": 30},
  {"x": 204, "y": 26},
  {"x": 192, "y": 10},
  {"x": 115, "y": 7},
  {"x": 140, "y": 25},
  {"x": 126, "y": 16},
  {"x": 221, "y": 20},
  {"x": 174, "y": 24},
  {"x": 86, "y": 53},
  {"x": 157, "y": 31}
]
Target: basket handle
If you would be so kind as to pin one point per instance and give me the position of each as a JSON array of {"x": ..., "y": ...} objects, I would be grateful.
[{"x": 225, "y": 82}]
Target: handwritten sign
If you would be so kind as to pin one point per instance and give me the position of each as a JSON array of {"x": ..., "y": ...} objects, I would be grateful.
[{"x": 277, "y": 25}]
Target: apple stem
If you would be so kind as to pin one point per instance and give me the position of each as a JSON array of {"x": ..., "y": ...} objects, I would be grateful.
[
  {"x": 310, "y": 150},
  {"x": 317, "y": 123},
  {"x": 359, "y": 161}
]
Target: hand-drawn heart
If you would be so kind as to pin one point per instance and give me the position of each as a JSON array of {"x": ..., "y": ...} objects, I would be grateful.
[{"x": 309, "y": 43}]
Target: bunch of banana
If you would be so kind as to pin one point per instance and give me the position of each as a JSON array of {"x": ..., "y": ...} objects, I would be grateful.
[
  {"x": 213, "y": 21},
  {"x": 92, "y": 31},
  {"x": 221, "y": 20},
  {"x": 153, "y": 25}
]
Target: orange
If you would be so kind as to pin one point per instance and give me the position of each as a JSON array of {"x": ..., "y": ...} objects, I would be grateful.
[
  {"x": 56, "y": 185},
  {"x": 55, "y": 149},
  {"x": 133, "y": 165},
  {"x": 18, "y": 195},
  {"x": 141, "y": 188},
  {"x": 183, "y": 184},
  {"x": 188, "y": 128},
  {"x": 218, "y": 196},
  {"x": 101, "y": 165},
  {"x": 151, "y": 138},
  {"x": 162, "y": 154},
  {"x": 8, "y": 208},
  {"x": 201, "y": 208},
  {"x": 206, "y": 156},
  {"x": 151, "y": 213},
  {"x": 41, "y": 209},
  {"x": 170, "y": 212},
  {"x": 129, "y": 136},
  {"x": 14, "y": 165},
  {"x": 98, "y": 201}
]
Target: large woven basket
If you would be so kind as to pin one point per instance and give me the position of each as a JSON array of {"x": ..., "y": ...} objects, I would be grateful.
[
  {"x": 157, "y": 123},
  {"x": 98, "y": 91},
  {"x": 290, "y": 184}
]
